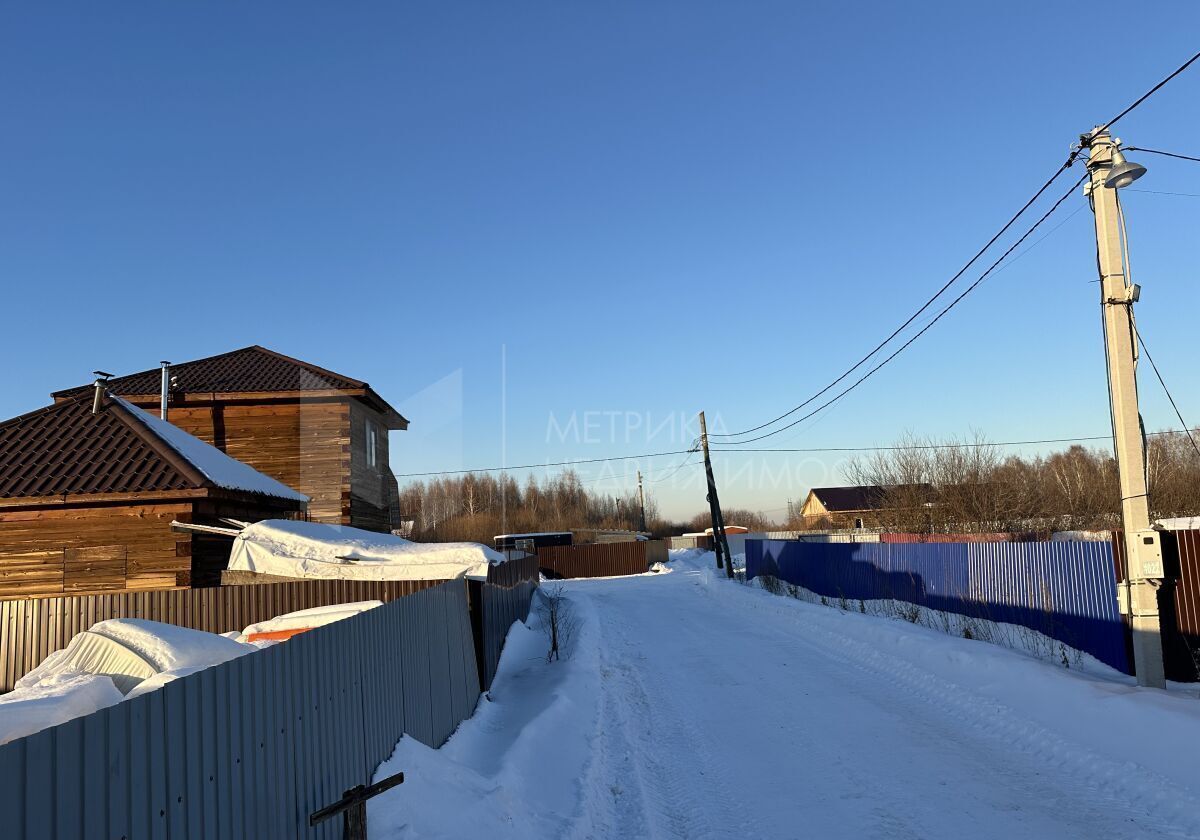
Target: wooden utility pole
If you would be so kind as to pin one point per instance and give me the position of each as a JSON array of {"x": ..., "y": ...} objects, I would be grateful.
[
  {"x": 1138, "y": 593},
  {"x": 720, "y": 541},
  {"x": 642, "y": 501}
]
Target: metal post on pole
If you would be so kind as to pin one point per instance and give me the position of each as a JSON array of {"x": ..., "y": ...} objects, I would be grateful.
[
  {"x": 641, "y": 501},
  {"x": 1138, "y": 593}
]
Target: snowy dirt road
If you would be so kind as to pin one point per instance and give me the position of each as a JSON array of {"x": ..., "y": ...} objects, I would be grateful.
[{"x": 700, "y": 708}]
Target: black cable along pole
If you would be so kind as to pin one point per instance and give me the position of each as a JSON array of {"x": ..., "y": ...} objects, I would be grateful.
[{"x": 720, "y": 540}]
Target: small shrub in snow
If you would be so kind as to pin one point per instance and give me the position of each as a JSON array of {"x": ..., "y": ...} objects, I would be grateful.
[
  {"x": 771, "y": 584},
  {"x": 559, "y": 622}
]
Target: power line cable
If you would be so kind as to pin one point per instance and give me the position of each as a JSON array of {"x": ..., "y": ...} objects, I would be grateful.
[
  {"x": 548, "y": 464},
  {"x": 1162, "y": 192},
  {"x": 671, "y": 470},
  {"x": 1147, "y": 94},
  {"x": 1186, "y": 428},
  {"x": 925, "y": 328},
  {"x": 904, "y": 447},
  {"x": 916, "y": 314},
  {"x": 1071, "y": 158},
  {"x": 1164, "y": 154},
  {"x": 686, "y": 462}
]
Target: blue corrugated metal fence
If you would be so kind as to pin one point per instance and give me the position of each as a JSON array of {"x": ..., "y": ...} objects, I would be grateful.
[{"x": 1065, "y": 590}]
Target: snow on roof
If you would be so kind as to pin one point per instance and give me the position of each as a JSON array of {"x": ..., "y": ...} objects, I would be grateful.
[
  {"x": 313, "y": 550},
  {"x": 216, "y": 466}
]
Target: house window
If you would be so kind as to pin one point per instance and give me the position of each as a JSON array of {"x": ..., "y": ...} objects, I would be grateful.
[
  {"x": 858, "y": 523},
  {"x": 372, "y": 445}
]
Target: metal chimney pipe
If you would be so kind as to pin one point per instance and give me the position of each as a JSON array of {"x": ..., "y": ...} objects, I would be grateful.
[
  {"x": 101, "y": 381},
  {"x": 166, "y": 389}
]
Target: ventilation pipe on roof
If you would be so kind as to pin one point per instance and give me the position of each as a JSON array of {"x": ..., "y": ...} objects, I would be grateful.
[
  {"x": 101, "y": 381},
  {"x": 166, "y": 389}
]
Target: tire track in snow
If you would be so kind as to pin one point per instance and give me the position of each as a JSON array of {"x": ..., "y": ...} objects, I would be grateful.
[
  {"x": 1110, "y": 785},
  {"x": 679, "y": 800}
]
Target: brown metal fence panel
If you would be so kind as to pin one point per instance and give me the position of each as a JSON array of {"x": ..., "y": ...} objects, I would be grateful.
[
  {"x": 249, "y": 748},
  {"x": 1180, "y": 608},
  {"x": 595, "y": 560},
  {"x": 33, "y": 628},
  {"x": 496, "y": 603}
]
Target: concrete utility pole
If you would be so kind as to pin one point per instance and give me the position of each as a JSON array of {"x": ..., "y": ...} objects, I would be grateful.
[
  {"x": 641, "y": 501},
  {"x": 720, "y": 540},
  {"x": 1138, "y": 594}
]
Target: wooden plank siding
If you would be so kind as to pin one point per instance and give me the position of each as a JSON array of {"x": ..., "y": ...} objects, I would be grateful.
[
  {"x": 109, "y": 547},
  {"x": 116, "y": 547},
  {"x": 304, "y": 444},
  {"x": 315, "y": 446}
]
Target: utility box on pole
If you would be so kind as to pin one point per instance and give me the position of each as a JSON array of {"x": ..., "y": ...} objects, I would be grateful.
[{"x": 1143, "y": 548}]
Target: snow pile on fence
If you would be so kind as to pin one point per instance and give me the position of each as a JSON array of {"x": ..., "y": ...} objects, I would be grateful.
[
  {"x": 112, "y": 660},
  {"x": 57, "y": 699},
  {"x": 306, "y": 619},
  {"x": 313, "y": 550}
]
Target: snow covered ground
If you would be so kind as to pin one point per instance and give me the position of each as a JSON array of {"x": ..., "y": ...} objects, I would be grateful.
[{"x": 693, "y": 706}]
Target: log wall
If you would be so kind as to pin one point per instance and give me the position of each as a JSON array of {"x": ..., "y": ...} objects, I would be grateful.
[
  {"x": 66, "y": 550},
  {"x": 306, "y": 445}
]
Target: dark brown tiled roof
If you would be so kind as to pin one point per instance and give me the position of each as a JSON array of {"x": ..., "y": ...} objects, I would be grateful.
[
  {"x": 65, "y": 450},
  {"x": 251, "y": 369},
  {"x": 862, "y": 497}
]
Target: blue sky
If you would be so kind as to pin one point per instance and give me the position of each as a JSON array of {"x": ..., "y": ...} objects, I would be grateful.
[{"x": 507, "y": 215}]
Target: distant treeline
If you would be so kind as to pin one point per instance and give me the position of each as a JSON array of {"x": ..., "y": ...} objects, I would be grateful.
[
  {"x": 476, "y": 507},
  {"x": 973, "y": 487}
]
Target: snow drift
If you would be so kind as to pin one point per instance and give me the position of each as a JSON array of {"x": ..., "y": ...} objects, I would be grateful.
[
  {"x": 57, "y": 699},
  {"x": 313, "y": 550}
]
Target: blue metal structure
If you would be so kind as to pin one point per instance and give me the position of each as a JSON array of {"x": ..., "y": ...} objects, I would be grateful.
[{"x": 1066, "y": 590}]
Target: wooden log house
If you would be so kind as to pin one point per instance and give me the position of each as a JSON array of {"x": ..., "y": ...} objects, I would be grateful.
[
  {"x": 87, "y": 499},
  {"x": 317, "y": 431}
]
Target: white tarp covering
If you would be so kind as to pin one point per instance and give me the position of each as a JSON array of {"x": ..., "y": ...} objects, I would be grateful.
[
  {"x": 131, "y": 650},
  {"x": 113, "y": 659},
  {"x": 313, "y": 550},
  {"x": 312, "y": 617}
]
